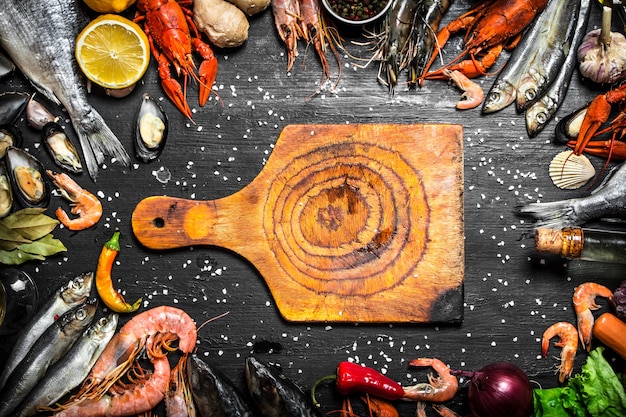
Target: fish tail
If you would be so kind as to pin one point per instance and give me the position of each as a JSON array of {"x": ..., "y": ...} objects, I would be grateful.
[
  {"x": 556, "y": 214},
  {"x": 97, "y": 141}
]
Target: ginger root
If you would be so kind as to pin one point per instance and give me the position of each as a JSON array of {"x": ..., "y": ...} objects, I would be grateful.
[{"x": 225, "y": 24}]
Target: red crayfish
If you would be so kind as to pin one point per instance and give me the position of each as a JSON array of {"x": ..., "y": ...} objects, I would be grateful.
[
  {"x": 491, "y": 25},
  {"x": 172, "y": 34},
  {"x": 593, "y": 117}
]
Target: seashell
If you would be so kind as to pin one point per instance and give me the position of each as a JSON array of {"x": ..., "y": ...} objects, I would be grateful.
[
  {"x": 9, "y": 136},
  {"x": 151, "y": 129},
  {"x": 37, "y": 115},
  {"x": 568, "y": 127},
  {"x": 6, "y": 65},
  {"x": 27, "y": 180},
  {"x": 61, "y": 149},
  {"x": 6, "y": 195},
  {"x": 12, "y": 104},
  {"x": 570, "y": 171}
]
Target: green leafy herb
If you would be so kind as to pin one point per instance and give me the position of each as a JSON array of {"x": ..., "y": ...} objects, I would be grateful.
[
  {"x": 595, "y": 392},
  {"x": 25, "y": 236}
]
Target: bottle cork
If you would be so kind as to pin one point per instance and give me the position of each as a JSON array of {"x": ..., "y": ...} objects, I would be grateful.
[{"x": 549, "y": 241}]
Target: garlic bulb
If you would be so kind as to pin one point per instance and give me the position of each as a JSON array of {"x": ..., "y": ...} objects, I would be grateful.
[{"x": 602, "y": 63}]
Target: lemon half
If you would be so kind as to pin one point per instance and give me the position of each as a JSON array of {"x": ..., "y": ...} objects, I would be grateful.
[
  {"x": 113, "y": 51},
  {"x": 109, "y": 6}
]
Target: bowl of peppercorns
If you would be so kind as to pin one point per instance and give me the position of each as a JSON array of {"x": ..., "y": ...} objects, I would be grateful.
[{"x": 356, "y": 12}]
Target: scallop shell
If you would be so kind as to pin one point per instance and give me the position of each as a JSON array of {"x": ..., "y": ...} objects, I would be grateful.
[{"x": 570, "y": 171}]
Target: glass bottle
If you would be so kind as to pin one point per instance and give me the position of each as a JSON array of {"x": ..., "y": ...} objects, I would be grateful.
[{"x": 582, "y": 244}]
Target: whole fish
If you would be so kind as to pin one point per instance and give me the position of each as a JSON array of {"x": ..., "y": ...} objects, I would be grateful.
[
  {"x": 608, "y": 200},
  {"x": 213, "y": 393},
  {"x": 69, "y": 295},
  {"x": 72, "y": 369},
  {"x": 504, "y": 90},
  {"x": 47, "y": 350},
  {"x": 542, "y": 111},
  {"x": 40, "y": 38},
  {"x": 557, "y": 23},
  {"x": 274, "y": 395}
]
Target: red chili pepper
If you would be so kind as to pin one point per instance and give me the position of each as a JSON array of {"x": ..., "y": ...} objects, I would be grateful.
[{"x": 354, "y": 378}]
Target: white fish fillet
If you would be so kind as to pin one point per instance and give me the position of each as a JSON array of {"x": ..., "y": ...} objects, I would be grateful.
[{"x": 40, "y": 38}]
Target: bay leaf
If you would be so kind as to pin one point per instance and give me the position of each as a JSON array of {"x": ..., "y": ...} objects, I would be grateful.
[
  {"x": 18, "y": 257},
  {"x": 30, "y": 223},
  {"x": 10, "y": 244},
  {"x": 10, "y": 235},
  {"x": 45, "y": 246}
]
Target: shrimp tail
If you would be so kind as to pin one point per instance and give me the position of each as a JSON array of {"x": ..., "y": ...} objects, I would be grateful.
[{"x": 97, "y": 140}]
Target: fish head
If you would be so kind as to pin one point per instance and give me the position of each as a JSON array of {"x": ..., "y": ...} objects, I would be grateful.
[
  {"x": 80, "y": 317},
  {"x": 77, "y": 290},
  {"x": 262, "y": 385}
]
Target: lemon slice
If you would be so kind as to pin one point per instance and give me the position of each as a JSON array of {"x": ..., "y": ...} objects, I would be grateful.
[{"x": 113, "y": 51}]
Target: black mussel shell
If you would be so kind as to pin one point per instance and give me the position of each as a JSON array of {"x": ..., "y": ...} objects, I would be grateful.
[
  {"x": 61, "y": 148},
  {"x": 6, "y": 65},
  {"x": 151, "y": 128},
  {"x": 568, "y": 127},
  {"x": 10, "y": 135},
  {"x": 6, "y": 195},
  {"x": 27, "y": 178},
  {"x": 37, "y": 115},
  {"x": 12, "y": 104}
]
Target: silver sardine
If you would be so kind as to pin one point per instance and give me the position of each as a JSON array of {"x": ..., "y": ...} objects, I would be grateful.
[
  {"x": 40, "y": 38},
  {"x": 69, "y": 295},
  {"x": 274, "y": 395},
  {"x": 542, "y": 111},
  {"x": 72, "y": 369},
  {"x": 608, "y": 201},
  {"x": 47, "y": 350},
  {"x": 558, "y": 24}
]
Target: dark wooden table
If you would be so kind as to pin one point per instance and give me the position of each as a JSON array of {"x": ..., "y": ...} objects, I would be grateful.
[{"x": 512, "y": 294}]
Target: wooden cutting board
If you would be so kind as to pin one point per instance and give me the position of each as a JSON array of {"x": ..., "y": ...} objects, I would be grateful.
[{"x": 345, "y": 223}]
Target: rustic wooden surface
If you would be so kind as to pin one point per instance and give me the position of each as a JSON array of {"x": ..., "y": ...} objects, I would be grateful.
[
  {"x": 345, "y": 223},
  {"x": 511, "y": 293}
]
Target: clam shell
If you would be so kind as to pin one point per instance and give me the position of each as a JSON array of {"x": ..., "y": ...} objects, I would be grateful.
[
  {"x": 27, "y": 180},
  {"x": 38, "y": 115},
  {"x": 12, "y": 103},
  {"x": 9, "y": 136},
  {"x": 151, "y": 129},
  {"x": 568, "y": 127},
  {"x": 61, "y": 148},
  {"x": 6, "y": 195},
  {"x": 570, "y": 171}
]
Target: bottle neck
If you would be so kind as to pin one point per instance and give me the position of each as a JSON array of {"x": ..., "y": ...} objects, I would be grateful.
[{"x": 573, "y": 242}]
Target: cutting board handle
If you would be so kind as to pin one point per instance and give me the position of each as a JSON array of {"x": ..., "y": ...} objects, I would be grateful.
[{"x": 161, "y": 222}]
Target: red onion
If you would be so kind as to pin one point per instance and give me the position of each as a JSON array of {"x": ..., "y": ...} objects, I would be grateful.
[{"x": 499, "y": 389}]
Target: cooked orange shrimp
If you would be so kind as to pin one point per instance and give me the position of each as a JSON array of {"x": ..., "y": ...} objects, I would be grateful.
[
  {"x": 472, "y": 95},
  {"x": 286, "y": 15},
  {"x": 84, "y": 204},
  {"x": 584, "y": 302},
  {"x": 153, "y": 332},
  {"x": 568, "y": 341},
  {"x": 438, "y": 389}
]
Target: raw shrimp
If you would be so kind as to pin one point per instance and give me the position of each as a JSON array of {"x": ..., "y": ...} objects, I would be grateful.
[
  {"x": 178, "y": 397},
  {"x": 472, "y": 95},
  {"x": 584, "y": 302},
  {"x": 568, "y": 341},
  {"x": 84, "y": 204},
  {"x": 286, "y": 15},
  {"x": 152, "y": 332},
  {"x": 438, "y": 389}
]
